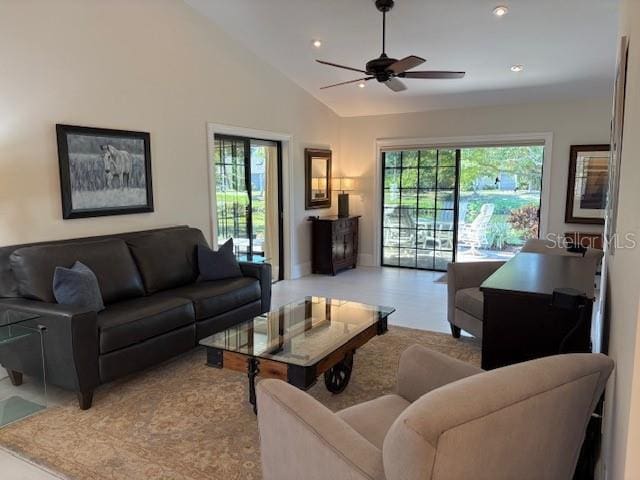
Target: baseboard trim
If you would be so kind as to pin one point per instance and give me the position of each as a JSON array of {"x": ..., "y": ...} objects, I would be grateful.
[
  {"x": 366, "y": 260},
  {"x": 301, "y": 270}
]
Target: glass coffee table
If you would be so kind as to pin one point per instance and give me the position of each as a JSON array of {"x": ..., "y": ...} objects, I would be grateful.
[
  {"x": 299, "y": 342},
  {"x": 21, "y": 351}
]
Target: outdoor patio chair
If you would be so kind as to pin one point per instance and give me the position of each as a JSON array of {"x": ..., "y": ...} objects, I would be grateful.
[
  {"x": 474, "y": 234},
  {"x": 406, "y": 234}
]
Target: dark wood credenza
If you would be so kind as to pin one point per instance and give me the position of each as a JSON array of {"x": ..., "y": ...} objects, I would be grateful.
[{"x": 334, "y": 244}]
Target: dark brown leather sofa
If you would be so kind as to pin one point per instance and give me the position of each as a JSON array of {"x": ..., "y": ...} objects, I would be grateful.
[{"x": 155, "y": 308}]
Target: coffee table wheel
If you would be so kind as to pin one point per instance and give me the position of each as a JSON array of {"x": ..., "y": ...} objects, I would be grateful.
[{"x": 337, "y": 377}]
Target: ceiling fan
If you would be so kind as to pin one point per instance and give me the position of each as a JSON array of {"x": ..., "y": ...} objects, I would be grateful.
[{"x": 387, "y": 70}]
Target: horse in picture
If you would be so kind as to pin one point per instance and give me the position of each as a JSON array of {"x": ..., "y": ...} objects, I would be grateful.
[{"x": 117, "y": 163}]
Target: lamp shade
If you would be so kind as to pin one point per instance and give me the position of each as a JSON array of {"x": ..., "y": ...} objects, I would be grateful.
[
  {"x": 344, "y": 184},
  {"x": 318, "y": 183}
]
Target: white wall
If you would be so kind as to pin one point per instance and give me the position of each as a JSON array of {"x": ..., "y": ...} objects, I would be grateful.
[
  {"x": 150, "y": 65},
  {"x": 584, "y": 122},
  {"x": 623, "y": 393}
]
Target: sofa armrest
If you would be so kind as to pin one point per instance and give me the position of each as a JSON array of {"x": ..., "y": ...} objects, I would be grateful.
[
  {"x": 70, "y": 342},
  {"x": 466, "y": 275},
  {"x": 261, "y": 271},
  {"x": 301, "y": 438},
  {"x": 422, "y": 370}
]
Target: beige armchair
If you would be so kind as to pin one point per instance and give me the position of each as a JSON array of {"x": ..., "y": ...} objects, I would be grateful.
[
  {"x": 447, "y": 420},
  {"x": 465, "y": 301}
]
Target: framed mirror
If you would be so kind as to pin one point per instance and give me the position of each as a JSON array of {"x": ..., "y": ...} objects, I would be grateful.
[{"x": 317, "y": 178}]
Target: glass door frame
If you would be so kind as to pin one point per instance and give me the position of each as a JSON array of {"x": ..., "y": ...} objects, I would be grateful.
[
  {"x": 383, "y": 147},
  {"x": 247, "y": 179},
  {"x": 455, "y": 209}
]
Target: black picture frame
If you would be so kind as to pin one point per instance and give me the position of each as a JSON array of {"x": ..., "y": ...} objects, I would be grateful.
[
  {"x": 311, "y": 202},
  {"x": 570, "y": 216},
  {"x": 106, "y": 183}
]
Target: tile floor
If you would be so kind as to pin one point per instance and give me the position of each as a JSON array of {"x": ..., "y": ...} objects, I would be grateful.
[{"x": 419, "y": 302}]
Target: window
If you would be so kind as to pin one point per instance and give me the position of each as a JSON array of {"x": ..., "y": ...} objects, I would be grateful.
[{"x": 459, "y": 204}]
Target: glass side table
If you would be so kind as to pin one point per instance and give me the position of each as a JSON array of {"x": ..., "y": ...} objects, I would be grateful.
[{"x": 23, "y": 387}]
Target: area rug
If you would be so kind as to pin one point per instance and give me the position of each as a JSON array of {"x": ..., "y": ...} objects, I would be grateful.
[{"x": 185, "y": 421}]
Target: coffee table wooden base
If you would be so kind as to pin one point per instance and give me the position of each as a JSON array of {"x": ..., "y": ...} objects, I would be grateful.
[{"x": 336, "y": 366}]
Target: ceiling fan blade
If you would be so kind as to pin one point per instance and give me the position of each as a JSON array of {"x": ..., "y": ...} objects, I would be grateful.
[
  {"x": 346, "y": 83},
  {"x": 434, "y": 74},
  {"x": 395, "y": 85},
  {"x": 340, "y": 66},
  {"x": 406, "y": 63}
]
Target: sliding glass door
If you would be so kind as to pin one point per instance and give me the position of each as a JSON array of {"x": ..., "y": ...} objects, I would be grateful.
[
  {"x": 248, "y": 201},
  {"x": 419, "y": 213},
  {"x": 498, "y": 201},
  {"x": 459, "y": 204}
]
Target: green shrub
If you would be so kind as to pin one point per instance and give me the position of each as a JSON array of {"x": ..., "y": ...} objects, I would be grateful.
[
  {"x": 525, "y": 220},
  {"x": 498, "y": 235}
]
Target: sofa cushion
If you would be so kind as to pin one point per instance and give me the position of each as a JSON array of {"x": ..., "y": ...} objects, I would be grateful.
[
  {"x": 133, "y": 321},
  {"x": 218, "y": 265},
  {"x": 110, "y": 260},
  {"x": 374, "y": 418},
  {"x": 471, "y": 301},
  {"x": 77, "y": 286},
  {"x": 167, "y": 259},
  {"x": 219, "y": 296}
]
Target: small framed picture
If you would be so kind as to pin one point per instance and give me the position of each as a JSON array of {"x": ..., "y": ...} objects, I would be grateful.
[
  {"x": 103, "y": 171},
  {"x": 588, "y": 184}
]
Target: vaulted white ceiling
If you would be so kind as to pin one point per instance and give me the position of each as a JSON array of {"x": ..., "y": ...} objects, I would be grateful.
[{"x": 568, "y": 48}]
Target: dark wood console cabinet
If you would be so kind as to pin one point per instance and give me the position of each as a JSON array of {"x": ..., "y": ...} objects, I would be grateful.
[{"x": 334, "y": 244}]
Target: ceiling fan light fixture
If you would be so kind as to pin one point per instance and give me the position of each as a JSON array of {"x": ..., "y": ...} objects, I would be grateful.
[
  {"x": 317, "y": 43},
  {"x": 517, "y": 68},
  {"x": 500, "y": 11}
]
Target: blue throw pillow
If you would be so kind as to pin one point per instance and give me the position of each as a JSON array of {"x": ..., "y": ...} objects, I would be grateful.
[
  {"x": 77, "y": 286},
  {"x": 218, "y": 265}
]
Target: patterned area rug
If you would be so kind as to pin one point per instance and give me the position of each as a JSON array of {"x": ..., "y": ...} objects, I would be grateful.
[{"x": 185, "y": 421}]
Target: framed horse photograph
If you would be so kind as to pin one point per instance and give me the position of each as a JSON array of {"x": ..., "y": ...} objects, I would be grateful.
[{"x": 104, "y": 171}]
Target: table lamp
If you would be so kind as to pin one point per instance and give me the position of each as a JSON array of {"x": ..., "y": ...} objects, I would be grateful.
[{"x": 343, "y": 185}]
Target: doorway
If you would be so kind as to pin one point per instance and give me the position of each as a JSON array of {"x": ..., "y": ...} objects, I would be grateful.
[
  {"x": 248, "y": 199},
  {"x": 441, "y": 205}
]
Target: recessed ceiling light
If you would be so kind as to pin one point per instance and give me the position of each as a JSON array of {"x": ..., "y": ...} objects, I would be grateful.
[
  {"x": 500, "y": 11},
  {"x": 517, "y": 68},
  {"x": 361, "y": 84},
  {"x": 317, "y": 43}
]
